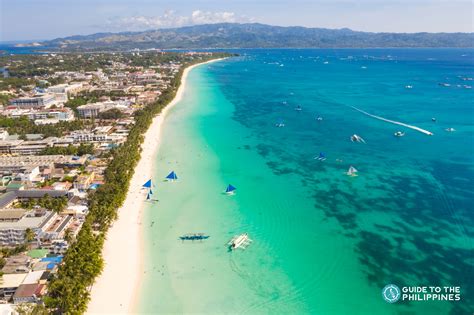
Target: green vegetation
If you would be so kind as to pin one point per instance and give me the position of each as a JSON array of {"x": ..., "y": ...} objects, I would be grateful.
[
  {"x": 251, "y": 35},
  {"x": 23, "y": 126},
  {"x": 113, "y": 113},
  {"x": 29, "y": 235},
  {"x": 54, "y": 204},
  {"x": 7, "y": 251},
  {"x": 68, "y": 291},
  {"x": 69, "y": 150},
  {"x": 78, "y": 101},
  {"x": 4, "y": 99},
  {"x": 14, "y": 83}
]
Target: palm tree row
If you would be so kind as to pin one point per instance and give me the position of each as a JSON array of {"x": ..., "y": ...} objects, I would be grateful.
[{"x": 69, "y": 289}]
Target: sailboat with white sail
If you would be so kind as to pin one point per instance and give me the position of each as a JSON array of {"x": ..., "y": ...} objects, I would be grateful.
[{"x": 352, "y": 171}]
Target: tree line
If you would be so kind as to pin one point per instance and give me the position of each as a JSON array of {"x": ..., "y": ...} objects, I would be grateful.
[{"x": 83, "y": 262}]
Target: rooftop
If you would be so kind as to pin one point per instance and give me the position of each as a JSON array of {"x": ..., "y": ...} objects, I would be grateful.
[
  {"x": 27, "y": 221},
  {"x": 12, "y": 280},
  {"x": 28, "y": 290},
  {"x": 11, "y": 214},
  {"x": 33, "y": 277}
]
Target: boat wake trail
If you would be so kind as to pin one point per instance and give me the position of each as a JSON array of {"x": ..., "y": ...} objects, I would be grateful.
[{"x": 426, "y": 132}]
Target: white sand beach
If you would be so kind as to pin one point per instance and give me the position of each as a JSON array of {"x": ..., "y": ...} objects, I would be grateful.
[{"x": 115, "y": 290}]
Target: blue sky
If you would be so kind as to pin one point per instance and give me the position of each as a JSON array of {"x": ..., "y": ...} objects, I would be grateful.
[{"x": 47, "y": 19}]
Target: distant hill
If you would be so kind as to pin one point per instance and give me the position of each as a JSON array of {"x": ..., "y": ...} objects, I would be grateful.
[{"x": 234, "y": 35}]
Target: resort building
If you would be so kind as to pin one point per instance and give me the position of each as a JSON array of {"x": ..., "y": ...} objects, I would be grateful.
[
  {"x": 32, "y": 147},
  {"x": 14, "y": 223},
  {"x": 60, "y": 114},
  {"x": 36, "y": 101},
  {"x": 71, "y": 88},
  {"x": 92, "y": 110}
]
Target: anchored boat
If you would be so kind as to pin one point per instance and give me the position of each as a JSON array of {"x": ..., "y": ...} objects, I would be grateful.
[
  {"x": 321, "y": 157},
  {"x": 352, "y": 171},
  {"x": 356, "y": 138},
  {"x": 172, "y": 176},
  {"x": 194, "y": 237},
  {"x": 239, "y": 241},
  {"x": 230, "y": 190}
]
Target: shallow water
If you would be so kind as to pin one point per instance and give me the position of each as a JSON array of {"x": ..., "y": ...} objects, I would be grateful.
[{"x": 324, "y": 243}]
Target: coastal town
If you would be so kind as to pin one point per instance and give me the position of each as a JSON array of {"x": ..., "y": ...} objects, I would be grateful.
[{"x": 68, "y": 125}]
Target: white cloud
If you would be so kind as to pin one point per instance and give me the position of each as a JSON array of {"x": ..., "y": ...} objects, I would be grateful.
[{"x": 171, "y": 19}]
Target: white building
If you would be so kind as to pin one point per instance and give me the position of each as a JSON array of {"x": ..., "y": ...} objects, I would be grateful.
[
  {"x": 58, "y": 114},
  {"x": 36, "y": 101},
  {"x": 92, "y": 110},
  {"x": 14, "y": 222},
  {"x": 65, "y": 88}
]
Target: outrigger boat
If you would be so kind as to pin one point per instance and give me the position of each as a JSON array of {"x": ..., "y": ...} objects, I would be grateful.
[
  {"x": 148, "y": 184},
  {"x": 230, "y": 190},
  {"x": 356, "y": 138},
  {"x": 280, "y": 124},
  {"x": 239, "y": 241},
  {"x": 194, "y": 237},
  {"x": 321, "y": 157},
  {"x": 172, "y": 176},
  {"x": 352, "y": 171}
]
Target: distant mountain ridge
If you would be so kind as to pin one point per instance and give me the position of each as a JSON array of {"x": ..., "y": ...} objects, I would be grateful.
[{"x": 255, "y": 35}]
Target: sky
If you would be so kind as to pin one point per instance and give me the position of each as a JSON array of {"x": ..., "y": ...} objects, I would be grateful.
[{"x": 48, "y": 19}]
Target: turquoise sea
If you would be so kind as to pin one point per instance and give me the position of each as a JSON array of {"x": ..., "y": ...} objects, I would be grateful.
[{"x": 323, "y": 242}]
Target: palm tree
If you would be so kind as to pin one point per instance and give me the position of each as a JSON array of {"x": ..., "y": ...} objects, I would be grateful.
[
  {"x": 68, "y": 235},
  {"x": 29, "y": 235}
]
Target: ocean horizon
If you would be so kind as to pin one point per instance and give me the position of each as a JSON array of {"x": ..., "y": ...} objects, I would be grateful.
[{"x": 323, "y": 242}]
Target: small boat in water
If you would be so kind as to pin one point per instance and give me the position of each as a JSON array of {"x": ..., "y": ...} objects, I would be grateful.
[
  {"x": 433, "y": 119},
  {"x": 172, "y": 176},
  {"x": 356, "y": 138},
  {"x": 148, "y": 184},
  {"x": 194, "y": 237},
  {"x": 298, "y": 108},
  {"x": 408, "y": 86},
  {"x": 399, "y": 134},
  {"x": 319, "y": 118},
  {"x": 230, "y": 190},
  {"x": 280, "y": 124},
  {"x": 321, "y": 157},
  {"x": 352, "y": 171},
  {"x": 450, "y": 129},
  {"x": 239, "y": 241}
]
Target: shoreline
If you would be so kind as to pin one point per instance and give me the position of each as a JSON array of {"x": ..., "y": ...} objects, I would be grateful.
[{"x": 116, "y": 289}]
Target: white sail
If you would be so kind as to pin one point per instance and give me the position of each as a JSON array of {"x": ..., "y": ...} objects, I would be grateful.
[{"x": 352, "y": 171}]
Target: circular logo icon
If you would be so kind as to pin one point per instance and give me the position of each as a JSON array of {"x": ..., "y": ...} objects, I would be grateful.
[{"x": 391, "y": 293}]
